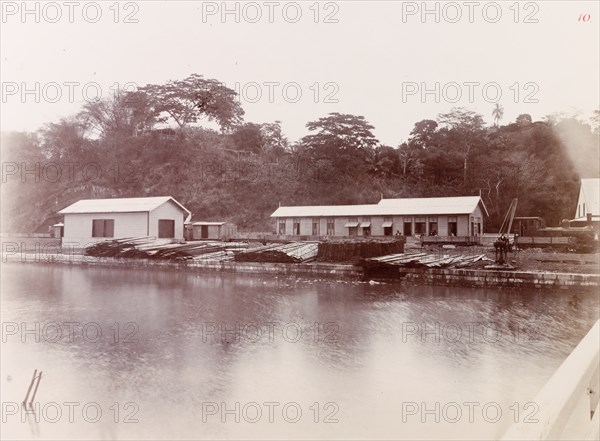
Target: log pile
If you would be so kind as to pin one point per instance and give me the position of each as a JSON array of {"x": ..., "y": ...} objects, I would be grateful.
[
  {"x": 268, "y": 256},
  {"x": 150, "y": 248},
  {"x": 347, "y": 251},
  {"x": 295, "y": 252},
  {"x": 423, "y": 260}
]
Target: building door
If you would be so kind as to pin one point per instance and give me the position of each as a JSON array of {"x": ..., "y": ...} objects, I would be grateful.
[
  {"x": 408, "y": 228},
  {"x": 166, "y": 229},
  {"x": 433, "y": 226},
  {"x": 420, "y": 226},
  {"x": 388, "y": 226},
  {"x": 315, "y": 227},
  {"x": 204, "y": 232},
  {"x": 452, "y": 226}
]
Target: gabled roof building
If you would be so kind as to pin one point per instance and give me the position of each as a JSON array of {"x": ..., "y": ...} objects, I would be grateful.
[{"x": 93, "y": 220}]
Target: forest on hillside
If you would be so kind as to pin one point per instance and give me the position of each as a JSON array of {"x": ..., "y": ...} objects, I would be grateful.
[{"x": 241, "y": 172}]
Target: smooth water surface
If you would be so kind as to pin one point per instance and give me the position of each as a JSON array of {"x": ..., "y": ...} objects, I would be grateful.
[{"x": 172, "y": 355}]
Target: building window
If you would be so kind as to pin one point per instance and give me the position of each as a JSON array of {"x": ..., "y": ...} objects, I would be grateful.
[
  {"x": 420, "y": 226},
  {"x": 388, "y": 226},
  {"x": 478, "y": 226},
  {"x": 281, "y": 229},
  {"x": 166, "y": 229},
  {"x": 296, "y": 227},
  {"x": 331, "y": 227},
  {"x": 315, "y": 226},
  {"x": 103, "y": 228},
  {"x": 452, "y": 226},
  {"x": 433, "y": 226}
]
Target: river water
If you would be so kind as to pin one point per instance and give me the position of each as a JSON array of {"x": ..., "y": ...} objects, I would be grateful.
[{"x": 140, "y": 354}]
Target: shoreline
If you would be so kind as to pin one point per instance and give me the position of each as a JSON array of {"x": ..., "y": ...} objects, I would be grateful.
[{"x": 472, "y": 278}]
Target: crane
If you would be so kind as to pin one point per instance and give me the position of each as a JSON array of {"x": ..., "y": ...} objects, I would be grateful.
[
  {"x": 502, "y": 245},
  {"x": 508, "y": 219}
]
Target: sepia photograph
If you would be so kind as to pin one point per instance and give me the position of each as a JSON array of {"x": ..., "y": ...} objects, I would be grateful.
[{"x": 300, "y": 220}]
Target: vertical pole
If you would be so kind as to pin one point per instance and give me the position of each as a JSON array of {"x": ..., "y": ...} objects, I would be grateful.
[
  {"x": 30, "y": 386},
  {"x": 39, "y": 378}
]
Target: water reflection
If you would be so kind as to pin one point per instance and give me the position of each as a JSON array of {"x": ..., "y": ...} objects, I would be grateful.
[{"x": 171, "y": 342}]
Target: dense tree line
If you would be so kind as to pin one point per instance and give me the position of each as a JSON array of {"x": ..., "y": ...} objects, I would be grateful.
[{"x": 155, "y": 141}]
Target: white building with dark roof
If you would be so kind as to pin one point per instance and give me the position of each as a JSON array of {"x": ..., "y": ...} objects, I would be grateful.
[
  {"x": 445, "y": 216},
  {"x": 93, "y": 220}
]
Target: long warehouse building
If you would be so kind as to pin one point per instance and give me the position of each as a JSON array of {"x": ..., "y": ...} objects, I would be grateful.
[{"x": 444, "y": 216}]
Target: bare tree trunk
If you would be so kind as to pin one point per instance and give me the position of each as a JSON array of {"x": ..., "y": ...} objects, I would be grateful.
[{"x": 466, "y": 165}]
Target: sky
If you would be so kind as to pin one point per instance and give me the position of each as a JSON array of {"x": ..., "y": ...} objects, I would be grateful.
[{"x": 395, "y": 63}]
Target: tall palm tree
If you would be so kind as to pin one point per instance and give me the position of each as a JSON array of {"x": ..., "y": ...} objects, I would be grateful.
[{"x": 498, "y": 113}]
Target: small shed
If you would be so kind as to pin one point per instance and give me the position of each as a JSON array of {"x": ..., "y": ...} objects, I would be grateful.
[
  {"x": 57, "y": 231},
  {"x": 213, "y": 230},
  {"x": 527, "y": 225}
]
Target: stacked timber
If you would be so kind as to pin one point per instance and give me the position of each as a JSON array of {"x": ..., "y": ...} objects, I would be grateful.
[
  {"x": 422, "y": 260},
  {"x": 294, "y": 252},
  {"x": 347, "y": 251},
  {"x": 217, "y": 256},
  {"x": 118, "y": 248},
  {"x": 151, "y": 248}
]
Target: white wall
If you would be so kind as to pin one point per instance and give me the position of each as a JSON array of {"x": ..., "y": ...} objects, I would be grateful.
[
  {"x": 78, "y": 227},
  {"x": 463, "y": 224},
  {"x": 168, "y": 210},
  {"x": 478, "y": 213},
  {"x": 584, "y": 206}
]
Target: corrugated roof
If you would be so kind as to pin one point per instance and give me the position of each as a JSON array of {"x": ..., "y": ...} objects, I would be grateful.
[
  {"x": 591, "y": 195},
  {"x": 118, "y": 205},
  {"x": 408, "y": 206}
]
